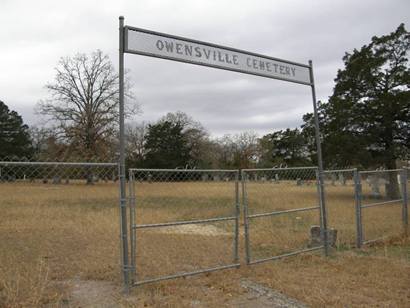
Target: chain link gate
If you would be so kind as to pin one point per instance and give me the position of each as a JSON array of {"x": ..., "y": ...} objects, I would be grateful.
[
  {"x": 182, "y": 222},
  {"x": 282, "y": 212},
  {"x": 381, "y": 194}
]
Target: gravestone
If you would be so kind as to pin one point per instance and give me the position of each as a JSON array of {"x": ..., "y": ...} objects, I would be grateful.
[
  {"x": 11, "y": 178},
  {"x": 375, "y": 182},
  {"x": 90, "y": 179},
  {"x": 56, "y": 180},
  {"x": 342, "y": 179},
  {"x": 333, "y": 179}
]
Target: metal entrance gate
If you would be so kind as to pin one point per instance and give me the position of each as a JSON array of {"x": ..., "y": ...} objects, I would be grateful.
[
  {"x": 382, "y": 201},
  {"x": 280, "y": 208},
  {"x": 185, "y": 222}
]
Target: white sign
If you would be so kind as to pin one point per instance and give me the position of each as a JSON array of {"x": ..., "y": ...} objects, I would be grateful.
[{"x": 185, "y": 50}]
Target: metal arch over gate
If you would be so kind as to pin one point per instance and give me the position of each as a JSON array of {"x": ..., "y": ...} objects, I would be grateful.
[{"x": 160, "y": 45}]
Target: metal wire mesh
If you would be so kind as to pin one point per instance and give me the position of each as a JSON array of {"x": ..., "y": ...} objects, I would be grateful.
[
  {"x": 340, "y": 205},
  {"x": 57, "y": 172},
  {"x": 65, "y": 214},
  {"x": 281, "y": 208},
  {"x": 383, "y": 193},
  {"x": 183, "y": 222}
]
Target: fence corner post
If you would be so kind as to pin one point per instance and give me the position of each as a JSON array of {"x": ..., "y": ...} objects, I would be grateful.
[{"x": 358, "y": 208}]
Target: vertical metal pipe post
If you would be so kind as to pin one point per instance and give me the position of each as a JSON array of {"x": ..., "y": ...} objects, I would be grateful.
[
  {"x": 245, "y": 217},
  {"x": 320, "y": 162},
  {"x": 405, "y": 213},
  {"x": 237, "y": 214},
  {"x": 133, "y": 231},
  {"x": 358, "y": 207},
  {"x": 123, "y": 201},
  {"x": 319, "y": 197}
]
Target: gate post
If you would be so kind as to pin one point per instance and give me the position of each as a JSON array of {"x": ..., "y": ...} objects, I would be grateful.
[
  {"x": 323, "y": 230},
  {"x": 322, "y": 213},
  {"x": 237, "y": 215},
  {"x": 245, "y": 217},
  {"x": 358, "y": 208},
  {"x": 133, "y": 231},
  {"x": 123, "y": 200},
  {"x": 405, "y": 214}
]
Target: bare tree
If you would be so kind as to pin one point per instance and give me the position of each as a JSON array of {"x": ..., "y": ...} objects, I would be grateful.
[
  {"x": 83, "y": 103},
  {"x": 238, "y": 151},
  {"x": 135, "y": 138},
  {"x": 247, "y": 149}
]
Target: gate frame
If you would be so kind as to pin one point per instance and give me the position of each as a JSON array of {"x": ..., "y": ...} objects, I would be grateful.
[
  {"x": 134, "y": 226},
  {"x": 244, "y": 178},
  {"x": 403, "y": 175}
]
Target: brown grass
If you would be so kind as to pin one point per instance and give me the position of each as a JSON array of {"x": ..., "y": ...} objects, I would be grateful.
[{"x": 53, "y": 234}]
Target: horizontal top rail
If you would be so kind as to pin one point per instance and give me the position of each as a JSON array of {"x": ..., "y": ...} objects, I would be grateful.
[
  {"x": 184, "y": 170},
  {"x": 339, "y": 170},
  {"x": 79, "y": 164},
  {"x": 278, "y": 169},
  {"x": 380, "y": 171}
]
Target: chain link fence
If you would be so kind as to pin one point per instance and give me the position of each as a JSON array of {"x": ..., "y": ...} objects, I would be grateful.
[
  {"x": 182, "y": 222},
  {"x": 339, "y": 187},
  {"x": 382, "y": 204},
  {"x": 57, "y": 172},
  {"x": 282, "y": 212},
  {"x": 186, "y": 222},
  {"x": 62, "y": 214}
]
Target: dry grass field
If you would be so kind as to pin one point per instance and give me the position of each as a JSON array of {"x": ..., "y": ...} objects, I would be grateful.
[{"x": 59, "y": 246}]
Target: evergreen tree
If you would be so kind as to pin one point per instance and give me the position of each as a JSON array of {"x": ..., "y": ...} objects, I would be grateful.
[
  {"x": 285, "y": 147},
  {"x": 367, "y": 119},
  {"x": 166, "y": 146},
  {"x": 14, "y": 135}
]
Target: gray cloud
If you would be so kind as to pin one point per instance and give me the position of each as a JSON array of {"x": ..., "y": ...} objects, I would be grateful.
[{"x": 38, "y": 33}]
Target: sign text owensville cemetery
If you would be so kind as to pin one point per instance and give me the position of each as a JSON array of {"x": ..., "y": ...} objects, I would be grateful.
[{"x": 150, "y": 43}]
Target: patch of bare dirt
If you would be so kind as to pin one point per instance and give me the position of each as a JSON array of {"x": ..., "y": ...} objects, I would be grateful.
[
  {"x": 92, "y": 293},
  {"x": 261, "y": 296},
  {"x": 208, "y": 230}
]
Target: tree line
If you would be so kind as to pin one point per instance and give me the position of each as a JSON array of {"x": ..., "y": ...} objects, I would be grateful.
[{"x": 365, "y": 123}]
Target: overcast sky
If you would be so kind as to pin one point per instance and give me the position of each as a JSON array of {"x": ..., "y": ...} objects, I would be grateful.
[{"x": 35, "y": 34}]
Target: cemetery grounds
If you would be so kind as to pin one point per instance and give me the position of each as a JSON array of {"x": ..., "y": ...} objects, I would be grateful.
[{"x": 59, "y": 246}]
